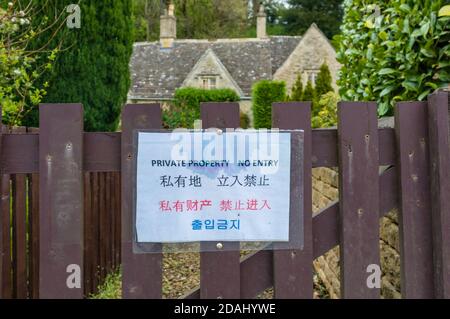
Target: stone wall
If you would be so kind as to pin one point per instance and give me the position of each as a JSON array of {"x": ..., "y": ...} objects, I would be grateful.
[
  {"x": 313, "y": 50},
  {"x": 325, "y": 192}
]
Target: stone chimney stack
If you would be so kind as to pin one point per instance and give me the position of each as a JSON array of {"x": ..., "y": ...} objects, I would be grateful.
[
  {"x": 261, "y": 23},
  {"x": 168, "y": 27}
]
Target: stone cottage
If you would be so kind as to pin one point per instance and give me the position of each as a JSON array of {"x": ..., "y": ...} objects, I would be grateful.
[{"x": 159, "y": 68}]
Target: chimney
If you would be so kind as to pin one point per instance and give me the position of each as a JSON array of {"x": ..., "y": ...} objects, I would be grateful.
[
  {"x": 168, "y": 27},
  {"x": 261, "y": 20}
]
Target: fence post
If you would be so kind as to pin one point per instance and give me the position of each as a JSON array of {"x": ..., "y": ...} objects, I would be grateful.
[
  {"x": 220, "y": 271},
  {"x": 61, "y": 201},
  {"x": 293, "y": 269},
  {"x": 414, "y": 210},
  {"x": 142, "y": 273},
  {"x": 440, "y": 184},
  {"x": 359, "y": 200}
]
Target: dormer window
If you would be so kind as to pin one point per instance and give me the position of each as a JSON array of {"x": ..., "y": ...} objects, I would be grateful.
[{"x": 209, "y": 82}]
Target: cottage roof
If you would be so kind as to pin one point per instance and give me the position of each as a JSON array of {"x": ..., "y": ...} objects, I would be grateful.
[{"x": 157, "y": 72}]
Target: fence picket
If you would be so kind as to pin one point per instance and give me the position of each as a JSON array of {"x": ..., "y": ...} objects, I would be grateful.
[
  {"x": 358, "y": 198},
  {"x": 33, "y": 227},
  {"x": 19, "y": 216},
  {"x": 438, "y": 121},
  {"x": 293, "y": 269},
  {"x": 6, "y": 275},
  {"x": 61, "y": 200},
  {"x": 142, "y": 273},
  {"x": 102, "y": 225},
  {"x": 414, "y": 211},
  {"x": 220, "y": 271}
]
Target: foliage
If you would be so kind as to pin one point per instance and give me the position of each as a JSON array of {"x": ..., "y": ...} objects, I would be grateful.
[
  {"x": 244, "y": 120},
  {"x": 310, "y": 93},
  {"x": 212, "y": 19},
  {"x": 195, "y": 18},
  {"x": 297, "y": 89},
  {"x": 324, "y": 81},
  {"x": 265, "y": 93},
  {"x": 327, "y": 14},
  {"x": 20, "y": 67},
  {"x": 111, "y": 288},
  {"x": 393, "y": 51},
  {"x": 327, "y": 111},
  {"x": 185, "y": 108},
  {"x": 94, "y": 69}
]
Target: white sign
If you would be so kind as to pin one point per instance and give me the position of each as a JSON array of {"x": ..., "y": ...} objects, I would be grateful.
[{"x": 205, "y": 186}]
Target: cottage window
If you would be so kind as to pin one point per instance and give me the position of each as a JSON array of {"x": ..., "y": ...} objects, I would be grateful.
[
  {"x": 209, "y": 82},
  {"x": 311, "y": 75}
]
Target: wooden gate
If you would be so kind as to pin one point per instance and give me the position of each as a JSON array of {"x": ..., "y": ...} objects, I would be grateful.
[{"x": 67, "y": 194}]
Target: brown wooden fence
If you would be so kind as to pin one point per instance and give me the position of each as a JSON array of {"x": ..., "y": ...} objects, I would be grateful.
[{"x": 63, "y": 190}]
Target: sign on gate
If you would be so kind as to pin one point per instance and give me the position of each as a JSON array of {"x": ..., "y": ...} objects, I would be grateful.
[{"x": 198, "y": 186}]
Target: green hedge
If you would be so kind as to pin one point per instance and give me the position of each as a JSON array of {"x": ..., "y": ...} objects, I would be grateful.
[
  {"x": 264, "y": 94},
  {"x": 393, "y": 51},
  {"x": 185, "y": 107}
]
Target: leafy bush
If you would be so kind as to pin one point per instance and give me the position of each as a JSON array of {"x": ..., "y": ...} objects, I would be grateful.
[
  {"x": 20, "y": 66},
  {"x": 265, "y": 93},
  {"x": 393, "y": 51},
  {"x": 327, "y": 111},
  {"x": 185, "y": 107}
]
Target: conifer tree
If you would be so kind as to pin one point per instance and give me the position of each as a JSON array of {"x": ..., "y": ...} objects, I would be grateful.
[
  {"x": 297, "y": 90},
  {"x": 93, "y": 67},
  {"x": 310, "y": 93},
  {"x": 324, "y": 81}
]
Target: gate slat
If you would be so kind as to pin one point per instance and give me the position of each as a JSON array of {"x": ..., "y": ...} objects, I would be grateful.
[
  {"x": 34, "y": 233},
  {"x": 438, "y": 122},
  {"x": 60, "y": 200},
  {"x": 414, "y": 213},
  {"x": 95, "y": 231},
  {"x": 358, "y": 198},
  {"x": 108, "y": 217},
  {"x": 89, "y": 272},
  {"x": 220, "y": 271},
  {"x": 20, "y": 236},
  {"x": 293, "y": 269},
  {"x": 6, "y": 275},
  {"x": 142, "y": 273},
  {"x": 102, "y": 226},
  {"x": 117, "y": 216}
]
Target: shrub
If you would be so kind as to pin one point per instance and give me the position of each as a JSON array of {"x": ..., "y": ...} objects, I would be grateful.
[
  {"x": 310, "y": 93},
  {"x": 265, "y": 93},
  {"x": 297, "y": 90},
  {"x": 185, "y": 108},
  {"x": 20, "y": 66},
  {"x": 244, "y": 120},
  {"x": 393, "y": 51},
  {"x": 324, "y": 81},
  {"x": 93, "y": 68},
  {"x": 327, "y": 111}
]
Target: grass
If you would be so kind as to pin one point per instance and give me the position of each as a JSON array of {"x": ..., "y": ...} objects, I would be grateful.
[
  {"x": 181, "y": 273},
  {"x": 111, "y": 288}
]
